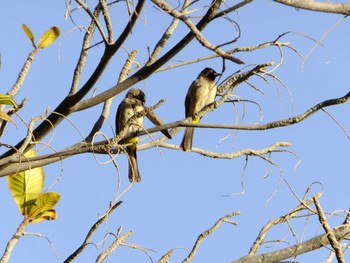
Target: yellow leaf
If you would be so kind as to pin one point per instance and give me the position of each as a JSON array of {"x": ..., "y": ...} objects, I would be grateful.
[
  {"x": 8, "y": 100},
  {"x": 45, "y": 202},
  {"x": 29, "y": 34},
  {"x": 6, "y": 117},
  {"x": 26, "y": 186},
  {"x": 47, "y": 215},
  {"x": 49, "y": 37}
]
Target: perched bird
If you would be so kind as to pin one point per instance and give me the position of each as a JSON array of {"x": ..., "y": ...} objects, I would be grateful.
[
  {"x": 201, "y": 93},
  {"x": 132, "y": 104}
]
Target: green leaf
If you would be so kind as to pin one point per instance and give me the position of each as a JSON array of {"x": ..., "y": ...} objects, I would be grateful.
[
  {"x": 45, "y": 202},
  {"x": 49, "y": 37},
  {"x": 26, "y": 186},
  {"x": 29, "y": 34},
  {"x": 7, "y": 100},
  {"x": 47, "y": 215}
]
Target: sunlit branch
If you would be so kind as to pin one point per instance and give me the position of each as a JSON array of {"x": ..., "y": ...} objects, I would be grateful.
[
  {"x": 330, "y": 236},
  {"x": 95, "y": 19},
  {"x": 167, "y": 8},
  {"x": 146, "y": 71},
  {"x": 19, "y": 164},
  {"x": 208, "y": 232},
  {"x": 327, "y": 7},
  {"x": 91, "y": 232},
  {"x": 315, "y": 243}
]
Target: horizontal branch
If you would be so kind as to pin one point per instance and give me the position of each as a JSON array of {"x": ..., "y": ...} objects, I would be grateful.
[
  {"x": 103, "y": 147},
  {"x": 326, "y": 7},
  {"x": 275, "y": 124},
  {"x": 243, "y": 152}
]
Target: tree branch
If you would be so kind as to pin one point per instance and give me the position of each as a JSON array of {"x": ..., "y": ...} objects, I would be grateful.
[
  {"x": 167, "y": 8},
  {"x": 146, "y": 71},
  {"x": 17, "y": 164},
  {"x": 330, "y": 236},
  {"x": 68, "y": 105},
  {"x": 311, "y": 5},
  {"x": 208, "y": 232},
  {"x": 13, "y": 241},
  {"x": 91, "y": 232},
  {"x": 259, "y": 240},
  {"x": 317, "y": 242},
  {"x": 243, "y": 152}
]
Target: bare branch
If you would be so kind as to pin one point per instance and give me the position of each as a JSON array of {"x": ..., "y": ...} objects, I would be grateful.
[
  {"x": 13, "y": 241},
  {"x": 117, "y": 241},
  {"x": 23, "y": 73},
  {"x": 207, "y": 233},
  {"x": 232, "y": 8},
  {"x": 108, "y": 21},
  {"x": 92, "y": 16},
  {"x": 311, "y": 5},
  {"x": 330, "y": 236},
  {"x": 315, "y": 243},
  {"x": 167, "y": 8},
  {"x": 83, "y": 53},
  {"x": 166, "y": 36},
  {"x": 246, "y": 152},
  {"x": 274, "y": 222},
  {"x": 69, "y": 104},
  {"x": 91, "y": 232},
  {"x": 103, "y": 146},
  {"x": 146, "y": 71}
]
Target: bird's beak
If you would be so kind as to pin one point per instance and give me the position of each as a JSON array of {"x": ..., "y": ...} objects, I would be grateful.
[{"x": 217, "y": 74}]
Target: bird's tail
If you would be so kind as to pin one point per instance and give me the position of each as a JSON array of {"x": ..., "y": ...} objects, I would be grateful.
[
  {"x": 186, "y": 143},
  {"x": 134, "y": 174}
]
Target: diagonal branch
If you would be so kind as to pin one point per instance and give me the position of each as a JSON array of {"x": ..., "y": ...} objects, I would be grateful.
[
  {"x": 317, "y": 242},
  {"x": 330, "y": 236},
  {"x": 68, "y": 105},
  {"x": 91, "y": 232},
  {"x": 146, "y": 71},
  {"x": 166, "y": 36},
  {"x": 94, "y": 18},
  {"x": 167, "y": 8},
  {"x": 208, "y": 232}
]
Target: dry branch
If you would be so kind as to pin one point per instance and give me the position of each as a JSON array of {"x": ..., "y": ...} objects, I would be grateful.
[
  {"x": 259, "y": 240},
  {"x": 315, "y": 243},
  {"x": 327, "y": 7},
  {"x": 17, "y": 163},
  {"x": 168, "y": 9},
  {"x": 13, "y": 241},
  {"x": 207, "y": 233},
  {"x": 91, "y": 232},
  {"x": 331, "y": 238}
]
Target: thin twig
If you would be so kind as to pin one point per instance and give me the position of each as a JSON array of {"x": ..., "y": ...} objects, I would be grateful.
[
  {"x": 208, "y": 232},
  {"x": 167, "y": 8},
  {"x": 91, "y": 232}
]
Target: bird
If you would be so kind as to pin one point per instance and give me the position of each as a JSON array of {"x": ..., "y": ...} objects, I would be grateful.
[
  {"x": 201, "y": 93},
  {"x": 131, "y": 105}
]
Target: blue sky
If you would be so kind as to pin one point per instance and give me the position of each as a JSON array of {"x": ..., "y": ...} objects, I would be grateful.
[{"x": 183, "y": 194}]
